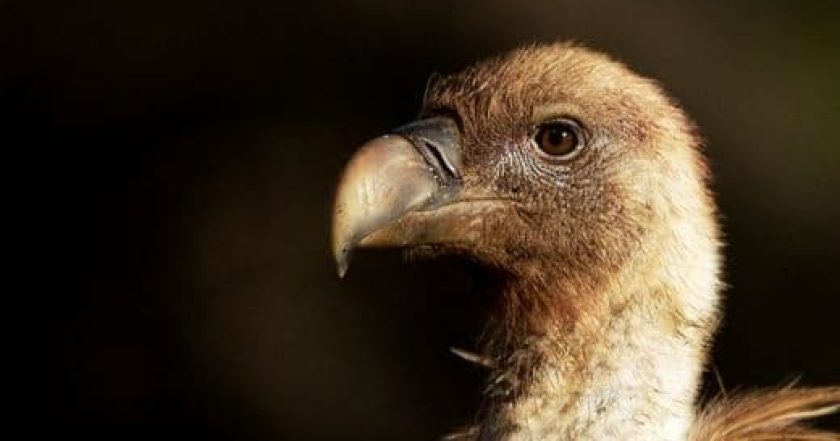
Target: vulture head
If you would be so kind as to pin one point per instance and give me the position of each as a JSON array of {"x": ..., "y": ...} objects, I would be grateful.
[
  {"x": 558, "y": 168},
  {"x": 581, "y": 187}
]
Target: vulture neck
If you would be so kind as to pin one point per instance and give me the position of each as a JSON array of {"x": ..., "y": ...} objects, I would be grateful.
[{"x": 619, "y": 360}]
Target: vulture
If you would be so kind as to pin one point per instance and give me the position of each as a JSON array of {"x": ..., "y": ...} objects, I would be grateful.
[{"x": 581, "y": 190}]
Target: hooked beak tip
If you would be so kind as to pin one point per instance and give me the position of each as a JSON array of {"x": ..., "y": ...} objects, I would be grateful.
[
  {"x": 383, "y": 181},
  {"x": 342, "y": 261}
]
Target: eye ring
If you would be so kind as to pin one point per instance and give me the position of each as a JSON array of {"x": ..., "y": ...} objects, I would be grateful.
[{"x": 560, "y": 138}]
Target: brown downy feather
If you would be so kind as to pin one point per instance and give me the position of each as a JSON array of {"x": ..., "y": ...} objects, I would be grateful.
[
  {"x": 468, "y": 433},
  {"x": 768, "y": 415},
  {"x": 771, "y": 415}
]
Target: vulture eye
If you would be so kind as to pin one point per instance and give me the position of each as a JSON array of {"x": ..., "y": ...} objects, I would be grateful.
[{"x": 560, "y": 138}]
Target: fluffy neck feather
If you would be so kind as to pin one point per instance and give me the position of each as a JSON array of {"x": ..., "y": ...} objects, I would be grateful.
[{"x": 614, "y": 360}]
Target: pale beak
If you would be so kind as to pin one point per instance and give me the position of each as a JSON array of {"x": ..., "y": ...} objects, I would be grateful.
[{"x": 415, "y": 169}]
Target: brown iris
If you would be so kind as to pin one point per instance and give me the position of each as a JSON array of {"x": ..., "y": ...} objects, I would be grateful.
[{"x": 558, "y": 138}]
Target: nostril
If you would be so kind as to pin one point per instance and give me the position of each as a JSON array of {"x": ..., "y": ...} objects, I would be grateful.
[
  {"x": 437, "y": 140},
  {"x": 438, "y": 160}
]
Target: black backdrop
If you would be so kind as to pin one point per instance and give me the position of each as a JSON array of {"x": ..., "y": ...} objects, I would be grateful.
[{"x": 178, "y": 160}]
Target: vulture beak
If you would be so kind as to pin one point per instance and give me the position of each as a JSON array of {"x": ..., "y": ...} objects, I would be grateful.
[{"x": 414, "y": 169}]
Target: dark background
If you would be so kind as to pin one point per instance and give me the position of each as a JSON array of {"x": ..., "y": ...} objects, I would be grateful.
[{"x": 178, "y": 161}]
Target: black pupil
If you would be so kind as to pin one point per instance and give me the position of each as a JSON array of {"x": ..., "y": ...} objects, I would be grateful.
[{"x": 557, "y": 135}]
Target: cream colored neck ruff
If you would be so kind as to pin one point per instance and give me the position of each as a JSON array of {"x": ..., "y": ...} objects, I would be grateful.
[{"x": 626, "y": 365}]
